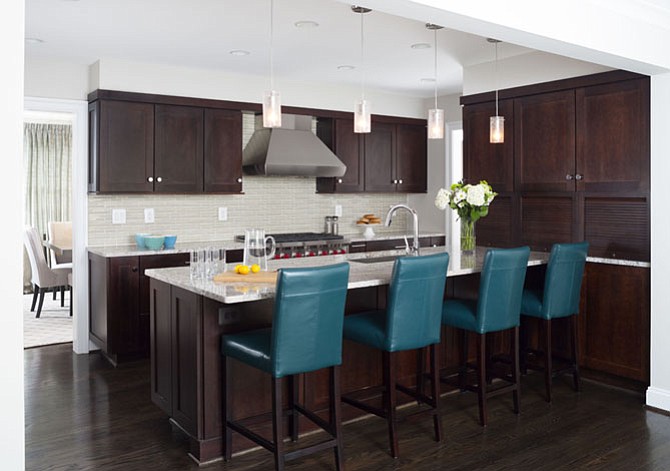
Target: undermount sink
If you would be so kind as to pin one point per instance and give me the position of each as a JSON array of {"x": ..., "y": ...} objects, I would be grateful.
[{"x": 388, "y": 258}]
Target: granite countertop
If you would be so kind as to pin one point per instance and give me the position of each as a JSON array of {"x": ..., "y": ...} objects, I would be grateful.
[{"x": 361, "y": 275}]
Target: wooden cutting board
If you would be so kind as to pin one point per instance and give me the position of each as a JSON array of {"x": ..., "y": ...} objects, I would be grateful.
[{"x": 260, "y": 277}]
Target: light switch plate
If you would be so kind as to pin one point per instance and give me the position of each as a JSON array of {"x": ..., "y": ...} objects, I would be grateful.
[
  {"x": 118, "y": 216},
  {"x": 338, "y": 210},
  {"x": 223, "y": 214},
  {"x": 149, "y": 215}
]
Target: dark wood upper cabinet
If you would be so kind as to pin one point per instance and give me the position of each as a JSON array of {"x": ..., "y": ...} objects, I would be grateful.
[
  {"x": 380, "y": 172},
  {"x": 411, "y": 162},
  {"x": 544, "y": 138},
  {"x": 613, "y": 136},
  {"x": 121, "y": 147},
  {"x": 481, "y": 159},
  {"x": 223, "y": 151},
  {"x": 339, "y": 136},
  {"x": 178, "y": 152}
]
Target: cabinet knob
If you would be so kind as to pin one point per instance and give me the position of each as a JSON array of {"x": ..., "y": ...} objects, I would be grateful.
[
  {"x": 134, "y": 269},
  {"x": 339, "y": 180},
  {"x": 400, "y": 181},
  {"x": 568, "y": 177},
  {"x": 579, "y": 177},
  {"x": 150, "y": 179},
  {"x": 239, "y": 180},
  {"x": 159, "y": 179},
  {"x": 395, "y": 182}
]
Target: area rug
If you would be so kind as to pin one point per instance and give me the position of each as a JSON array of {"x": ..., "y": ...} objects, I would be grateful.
[{"x": 53, "y": 326}]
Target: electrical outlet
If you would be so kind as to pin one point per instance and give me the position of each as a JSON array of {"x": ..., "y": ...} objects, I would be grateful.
[
  {"x": 149, "y": 215},
  {"x": 223, "y": 214},
  {"x": 118, "y": 216},
  {"x": 338, "y": 210}
]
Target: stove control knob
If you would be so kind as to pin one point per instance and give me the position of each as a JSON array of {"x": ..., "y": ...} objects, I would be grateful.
[{"x": 298, "y": 255}]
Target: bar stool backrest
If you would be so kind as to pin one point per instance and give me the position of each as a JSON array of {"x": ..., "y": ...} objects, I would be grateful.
[
  {"x": 563, "y": 281},
  {"x": 500, "y": 289},
  {"x": 308, "y": 319},
  {"x": 414, "y": 307}
]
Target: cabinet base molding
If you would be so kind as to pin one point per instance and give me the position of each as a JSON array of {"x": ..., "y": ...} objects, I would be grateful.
[{"x": 658, "y": 400}]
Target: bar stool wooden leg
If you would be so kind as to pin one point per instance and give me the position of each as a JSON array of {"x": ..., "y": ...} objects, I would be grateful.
[
  {"x": 227, "y": 409},
  {"x": 420, "y": 363},
  {"x": 293, "y": 419},
  {"x": 575, "y": 355},
  {"x": 390, "y": 399},
  {"x": 336, "y": 415},
  {"x": 481, "y": 378},
  {"x": 516, "y": 373},
  {"x": 463, "y": 361},
  {"x": 277, "y": 425},
  {"x": 547, "y": 358},
  {"x": 435, "y": 386}
]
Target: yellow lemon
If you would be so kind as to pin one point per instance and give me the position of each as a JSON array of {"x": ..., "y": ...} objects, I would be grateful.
[
  {"x": 237, "y": 268},
  {"x": 243, "y": 270},
  {"x": 255, "y": 268}
]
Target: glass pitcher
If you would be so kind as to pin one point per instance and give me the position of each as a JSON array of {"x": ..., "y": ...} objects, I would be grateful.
[{"x": 256, "y": 248}]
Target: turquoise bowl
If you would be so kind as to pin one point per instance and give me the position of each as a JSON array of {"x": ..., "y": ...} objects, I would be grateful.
[
  {"x": 169, "y": 241},
  {"x": 139, "y": 240},
  {"x": 154, "y": 242}
]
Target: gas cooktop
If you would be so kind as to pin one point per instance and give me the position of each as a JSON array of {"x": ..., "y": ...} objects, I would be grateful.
[{"x": 299, "y": 237}]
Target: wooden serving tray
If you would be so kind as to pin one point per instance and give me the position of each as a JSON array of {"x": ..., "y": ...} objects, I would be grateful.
[{"x": 260, "y": 277}]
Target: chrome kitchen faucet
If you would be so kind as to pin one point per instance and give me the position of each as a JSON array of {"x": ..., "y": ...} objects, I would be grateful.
[{"x": 414, "y": 249}]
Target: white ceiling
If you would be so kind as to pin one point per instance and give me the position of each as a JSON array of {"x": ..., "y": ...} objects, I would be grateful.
[{"x": 201, "y": 34}]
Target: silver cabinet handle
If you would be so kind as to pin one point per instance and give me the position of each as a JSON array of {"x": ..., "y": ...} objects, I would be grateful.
[
  {"x": 339, "y": 180},
  {"x": 150, "y": 179},
  {"x": 357, "y": 246},
  {"x": 568, "y": 177},
  {"x": 400, "y": 182},
  {"x": 239, "y": 180},
  {"x": 159, "y": 179},
  {"x": 579, "y": 177}
]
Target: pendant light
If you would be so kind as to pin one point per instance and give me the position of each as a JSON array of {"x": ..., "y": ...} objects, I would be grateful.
[
  {"x": 497, "y": 122},
  {"x": 435, "y": 115},
  {"x": 271, "y": 98},
  {"x": 362, "y": 106}
]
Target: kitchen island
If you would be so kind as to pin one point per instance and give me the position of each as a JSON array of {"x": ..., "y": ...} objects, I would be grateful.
[{"x": 188, "y": 318}]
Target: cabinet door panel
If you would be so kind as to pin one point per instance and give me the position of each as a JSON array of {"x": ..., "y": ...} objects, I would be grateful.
[
  {"x": 617, "y": 227},
  {"x": 495, "y": 230},
  {"x": 161, "y": 346},
  {"x": 615, "y": 326},
  {"x": 544, "y": 138},
  {"x": 546, "y": 220},
  {"x": 126, "y": 141},
  {"x": 411, "y": 163},
  {"x": 481, "y": 159},
  {"x": 223, "y": 151},
  {"x": 348, "y": 147},
  {"x": 613, "y": 136},
  {"x": 178, "y": 154},
  {"x": 379, "y": 158},
  {"x": 123, "y": 306}
]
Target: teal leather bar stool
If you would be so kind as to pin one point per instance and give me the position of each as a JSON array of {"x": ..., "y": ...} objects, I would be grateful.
[
  {"x": 306, "y": 335},
  {"x": 410, "y": 321},
  {"x": 559, "y": 299},
  {"x": 497, "y": 308}
]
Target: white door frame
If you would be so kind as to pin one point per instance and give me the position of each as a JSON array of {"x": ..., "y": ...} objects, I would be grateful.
[
  {"x": 454, "y": 170},
  {"x": 79, "y": 109}
]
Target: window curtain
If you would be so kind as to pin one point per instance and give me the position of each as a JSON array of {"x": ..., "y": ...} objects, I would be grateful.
[{"x": 47, "y": 158}]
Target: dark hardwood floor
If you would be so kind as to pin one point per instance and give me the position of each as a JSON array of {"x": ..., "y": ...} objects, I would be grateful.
[{"x": 83, "y": 414}]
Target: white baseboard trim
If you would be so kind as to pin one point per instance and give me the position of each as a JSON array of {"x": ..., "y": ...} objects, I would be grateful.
[{"x": 658, "y": 398}]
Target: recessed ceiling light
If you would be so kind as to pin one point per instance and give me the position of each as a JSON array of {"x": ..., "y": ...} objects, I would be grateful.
[
  {"x": 239, "y": 52},
  {"x": 420, "y": 46},
  {"x": 306, "y": 24},
  {"x": 346, "y": 67},
  {"x": 428, "y": 80},
  {"x": 34, "y": 40}
]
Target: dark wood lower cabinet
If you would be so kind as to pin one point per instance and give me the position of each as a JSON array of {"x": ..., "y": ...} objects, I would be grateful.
[{"x": 119, "y": 303}]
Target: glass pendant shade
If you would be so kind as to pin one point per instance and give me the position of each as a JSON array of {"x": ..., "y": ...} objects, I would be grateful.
[
  {"x": 435, "y": 123},
  {"x": 362, "y": 116},
  {"x": 272, "y": 109},
  {"x": 497, "y": 130}
]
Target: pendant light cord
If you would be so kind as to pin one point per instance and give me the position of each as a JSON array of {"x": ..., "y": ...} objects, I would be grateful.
[
  {"x": 496, "y": 74},
  {"x": 435, "y": 65},
  {"x": 362, "y": 58},
  {"x": 272, "y": 80}
]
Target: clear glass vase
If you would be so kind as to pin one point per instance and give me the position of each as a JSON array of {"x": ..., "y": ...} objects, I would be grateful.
[{"x": 468, "y": 237}]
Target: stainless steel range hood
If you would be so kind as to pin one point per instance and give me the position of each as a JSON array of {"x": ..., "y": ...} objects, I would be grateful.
[{"x": 292, "y": 149}]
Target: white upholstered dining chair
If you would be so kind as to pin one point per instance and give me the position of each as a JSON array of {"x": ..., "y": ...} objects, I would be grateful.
[{"x": 43, "y": 278}]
